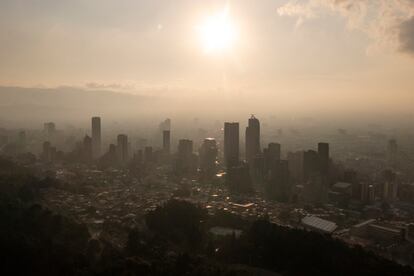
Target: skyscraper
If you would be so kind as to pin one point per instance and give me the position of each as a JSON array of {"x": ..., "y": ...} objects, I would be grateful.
[
  {"x": 231, "y": 144},
  {"x": 49, "y": 129},
  {"x": 279, "y": 181},
  {"x": 252, "y": 139},
  {"x": 166, "y": 141},
  {"x": 323, "y": 153},
  {"x": 122, "y": 148},
  {"x": 87, "y": 149},
  {"x": 186, "y": 161},
  {"x": 208, "y": 157},
  {"x": 96, "y": 137},
  {"x": 46, "y": 151},
  {"x": 295, "y": 160},
  {"x": 311, "y": 164},
  {"x": 271, "y": 156},
  {"x": 238, "y": 179}
]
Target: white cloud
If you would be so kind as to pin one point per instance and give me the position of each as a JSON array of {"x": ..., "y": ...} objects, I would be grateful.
[{"x": 388, "y": 23}]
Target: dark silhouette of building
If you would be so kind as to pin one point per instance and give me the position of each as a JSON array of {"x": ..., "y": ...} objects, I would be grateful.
[
  {"x": 122, "y": 148},
  {"x": 185, "y": 147},
  {"x": 238, "y": 179},
  {"x": 252, "y": 139},
  {"x": 46, "y": 152},
  {"x": 278, "y": 186},
  {"x": 49, "y": 128},
  {"x": 112, "y": 156},
  {"x": 231, "y": 144},
  {"x": 96, "y": 137},
  {"x": 166, "y": 141},
  {"x": 295, "y": 160},
  {"x": 310, "y": 164},
  {"x": 323, "y": 152},
  {"x": 271, "y": 156},
  {"x": 186, "y": 161},
  {"x": 208, "y": 158},
  {"x": 87, "y": 149},
  {"x": 257, "y": 170},
  {"x": 165, "y": 125}
]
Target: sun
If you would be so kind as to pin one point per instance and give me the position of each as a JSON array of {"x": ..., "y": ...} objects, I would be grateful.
[{"x": 217, "y": 33}]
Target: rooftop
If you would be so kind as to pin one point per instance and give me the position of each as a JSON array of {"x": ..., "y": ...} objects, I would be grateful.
[{"x": 319, "y": 224}]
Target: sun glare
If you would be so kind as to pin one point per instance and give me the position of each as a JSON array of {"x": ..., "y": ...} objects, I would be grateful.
[{"x": 217, "y": 33}]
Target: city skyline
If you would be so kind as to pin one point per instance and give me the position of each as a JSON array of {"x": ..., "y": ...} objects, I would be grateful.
[{"x": 195, "y": 137}]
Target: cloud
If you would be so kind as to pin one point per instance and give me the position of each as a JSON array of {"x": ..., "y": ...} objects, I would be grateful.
[
  {"x": 406, "y": 36},
  {"x": 388, "y": 23}
]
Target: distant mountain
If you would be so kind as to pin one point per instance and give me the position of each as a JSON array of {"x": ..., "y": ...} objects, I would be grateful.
[{"x": 66, "y": 103}]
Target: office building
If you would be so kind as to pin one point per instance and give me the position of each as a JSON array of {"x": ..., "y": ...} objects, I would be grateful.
[
  {"x": 186, "y": 161},
  {"x": 323, "y": 153},
  {"x": 208, "y": 157},
  {"x": 271, "y": 156},
  {"x": 252, "y": 139},
  {"x": 46, "y": 152},
  {"x": 49, "y": 129},
  {"x": 122, "y": 148},
  {"x": 166, "y": 141},
  {"x": 295, "y": 160},
  {"x": 96, "y": 137},
  {"x": 310, "y": 164},
  {"x": 87, "y": 149},
  {"x": 238, "y": 179},
  {"x": 231, "y": 144},
  {"x": 278, "y": 186}
]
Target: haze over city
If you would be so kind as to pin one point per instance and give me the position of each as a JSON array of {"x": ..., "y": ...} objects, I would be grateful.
[
  {"x": 319, "y": 57},
  {"x": 220, "y": 137}
]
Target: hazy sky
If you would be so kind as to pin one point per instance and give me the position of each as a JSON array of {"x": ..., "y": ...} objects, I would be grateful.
[{"x": 345, "y": 53}]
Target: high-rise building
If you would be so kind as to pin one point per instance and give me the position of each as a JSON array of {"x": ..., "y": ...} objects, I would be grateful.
[
  {"x": 231, "y": 144},
  {"x": 46, "y": 151},
  {"x": 112, "y": 155},
  {"x": 295, "y": 160},
  {"x": 96, "y": 137},
  {"x": 166, "y": 141},
  {"x": 310, "y": 164},
  {"x": 122, "y": 148},
  {"x": 186, "y": 161},
  {"x": 238, "y": 179},
  {"x": 271, "y": 156},
  {"x": 279, "y": 181},
  {"x": 208, "y": 157},
  {"x": 87, "y": 149},
  {"x": 252, "y": 139},
  {"x": 49, "y": 128},
  {"x": 323, "y": 153},
  {"x": 185, "y": 147},
  {"x": 165, "y": 125}
]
